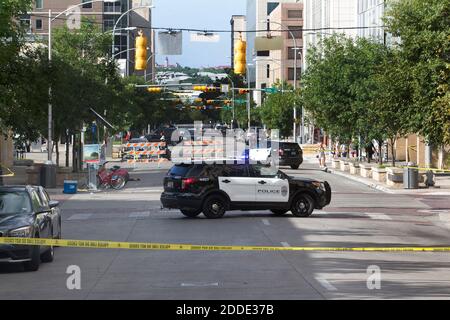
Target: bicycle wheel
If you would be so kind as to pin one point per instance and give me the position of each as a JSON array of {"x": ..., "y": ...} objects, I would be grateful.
[{"x": 118, "y": 183}]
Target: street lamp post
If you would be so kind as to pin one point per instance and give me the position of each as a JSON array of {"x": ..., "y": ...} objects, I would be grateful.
[
  {"x": 248, "y": 96},
  {"x": 295, "y": 74}
]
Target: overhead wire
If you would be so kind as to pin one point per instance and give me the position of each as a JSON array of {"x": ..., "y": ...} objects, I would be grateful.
[{"x": 223, "y": 30}]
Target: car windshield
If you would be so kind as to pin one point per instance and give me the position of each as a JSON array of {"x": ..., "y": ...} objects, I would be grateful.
[{"x": 14, "y": 202}]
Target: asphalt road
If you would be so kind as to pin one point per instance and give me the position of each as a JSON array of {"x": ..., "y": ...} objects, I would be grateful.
[{"x": 357, "y": 217}]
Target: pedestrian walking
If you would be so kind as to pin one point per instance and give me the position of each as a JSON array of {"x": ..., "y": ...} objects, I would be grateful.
[{"x": 321, "y": 156}]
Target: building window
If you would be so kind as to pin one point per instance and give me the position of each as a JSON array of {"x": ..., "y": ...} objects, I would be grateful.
[
  {"x": 268, "y": 71},
  {"x": 39, "y": 4},
  {"x": 263, "y": 53},
  {"x": 294, "y": 14},
  {"x": 112, "y": 7},
  {"x": 291, "y": 73},
  {"x": 296, "y": 31},
  {"x": 25, "y": 22},
  {"x": 271, "y": 6},
  {"x": 38, "y": 24},
  {"x": 87, "y": 5},
  {"x": 108, "y": 24}
]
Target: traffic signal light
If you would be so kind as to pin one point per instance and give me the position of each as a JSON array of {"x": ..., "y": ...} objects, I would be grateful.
[
  {"x": 240, "y": 60},
  {"x": 243, "y": 91},
  {"x": 141, "y": 52},
  {"x": 200, "y": 88},
  {"x": 154, "y": 90}
]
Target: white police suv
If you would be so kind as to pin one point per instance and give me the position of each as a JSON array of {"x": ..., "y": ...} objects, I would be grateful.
[{"x": 216, "y": 188}]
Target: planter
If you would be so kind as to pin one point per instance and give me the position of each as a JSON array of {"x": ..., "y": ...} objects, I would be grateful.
[
  {"x": 365, "y": 170},
  {"x": 354, "y": 168},
  {"x": 379, "y": 174},
  {"x": 335, "y": 164},
  {"x": 344, "y": 166},
  {"x": 394, "y": 177},
  {"x": 34, "y": 178}
]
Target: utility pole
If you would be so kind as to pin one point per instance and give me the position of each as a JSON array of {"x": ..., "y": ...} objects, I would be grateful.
[{"x": 50, "y": 107}]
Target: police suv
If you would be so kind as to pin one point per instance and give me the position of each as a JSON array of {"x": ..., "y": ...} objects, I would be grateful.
[{"x": 216, "y": 188}]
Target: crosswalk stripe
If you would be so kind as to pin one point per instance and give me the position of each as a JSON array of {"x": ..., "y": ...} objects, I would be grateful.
[
  {"x": 80, "y": 216},
  {"x": 327, "y": 285},
  {"x": 378, "y": 216}
]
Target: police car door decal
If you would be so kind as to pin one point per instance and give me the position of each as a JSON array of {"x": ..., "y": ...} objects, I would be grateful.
[{"x": 272, "y": 190}]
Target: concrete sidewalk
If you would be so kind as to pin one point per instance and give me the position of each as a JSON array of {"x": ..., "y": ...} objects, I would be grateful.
[{"x": 442, "y": 183}]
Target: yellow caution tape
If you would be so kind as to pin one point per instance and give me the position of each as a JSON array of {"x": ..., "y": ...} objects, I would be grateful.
[
  {"x": 10, "y": 174},
  {"x": 426, "y": 169},
  {"x": 94, "y": 244}
]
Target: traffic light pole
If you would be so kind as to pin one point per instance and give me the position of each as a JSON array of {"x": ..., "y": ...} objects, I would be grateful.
[
  {"x": 248, "y": 98},
  {"x": 120, "y": 18},
  {"x": 50, "y": 107}
]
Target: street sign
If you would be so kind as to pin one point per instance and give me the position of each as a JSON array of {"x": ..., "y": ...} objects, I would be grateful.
[
  {"x": 271, "y": 90},
  {"x": 225, "y": 88},
  {"x": 240, "y": 101}
]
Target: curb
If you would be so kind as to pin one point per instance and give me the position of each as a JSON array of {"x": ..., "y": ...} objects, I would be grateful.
[
  {"x": 371, "y": 185},
  {"x": 384, "y": 189}
]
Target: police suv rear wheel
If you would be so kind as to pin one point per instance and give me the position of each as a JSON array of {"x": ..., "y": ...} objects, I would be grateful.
[
  {"x": 303, "y": 206},
  {"x": 191, "y": 213},
  {"x": 214, "y": 207},
  {"x": 278, "y": 212}
]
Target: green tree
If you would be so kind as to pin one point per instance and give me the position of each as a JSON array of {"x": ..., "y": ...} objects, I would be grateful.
[
  {"x": 15, "y": 69},
  {"x": 277, "y": 109},
  {"x": 391, "y": 98},
  {"x": 424, "y": 30},
  {"x": 337, "y": 87}
]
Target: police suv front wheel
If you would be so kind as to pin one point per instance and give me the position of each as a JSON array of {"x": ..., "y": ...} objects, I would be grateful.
[
  {"x": 214, "y": 207},
  {"x": 303, "y": 206}
]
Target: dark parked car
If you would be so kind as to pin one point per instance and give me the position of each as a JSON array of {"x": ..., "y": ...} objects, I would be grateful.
[
  {"x": 290, "y": 154},
  {"x": 216, "y": 188},
  {"x": 28, "y": 212}
]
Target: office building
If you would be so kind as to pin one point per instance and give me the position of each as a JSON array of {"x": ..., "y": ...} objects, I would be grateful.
[
  {"x": 325, "y": 17},
  {"x": 103, "y": 14},
  {"x": 269, "y": 66}
]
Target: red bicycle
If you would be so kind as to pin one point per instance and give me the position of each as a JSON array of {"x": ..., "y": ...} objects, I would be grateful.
[{"x": 115, "y": 178}]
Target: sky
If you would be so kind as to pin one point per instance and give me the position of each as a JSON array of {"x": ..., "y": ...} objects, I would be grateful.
[{"x": 198, "y": 14}]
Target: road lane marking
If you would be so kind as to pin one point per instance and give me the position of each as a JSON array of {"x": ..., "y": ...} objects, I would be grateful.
[
  {"x": 200, "y": 284},
  {"x": 285, "y": 244},
  {"x": 378, "y": 216},
  {"x": 80, "y": 216},
  {"x": 139, "y": 215},
  {"x": 324, "y": 283},
  {"x": 266, "y": 222}
]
